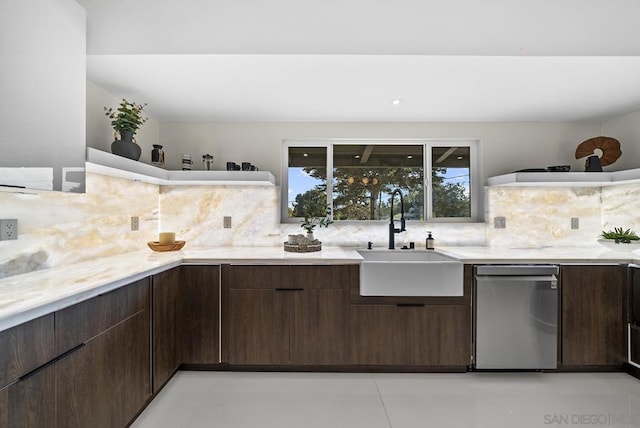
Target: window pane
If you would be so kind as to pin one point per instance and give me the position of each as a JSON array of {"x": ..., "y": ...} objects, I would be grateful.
[
  {"x": 450, "y": 174},
  {"x": 307, "y": 176},
  {"x": 365, "y": 175}
]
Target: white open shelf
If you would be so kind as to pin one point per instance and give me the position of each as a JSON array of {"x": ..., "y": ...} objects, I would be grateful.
[
  {"x": 104, "y": 163},
  {"x": 567, "y": 179}
]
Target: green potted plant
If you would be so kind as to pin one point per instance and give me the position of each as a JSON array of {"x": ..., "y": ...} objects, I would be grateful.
[
  {"x": 619, "y": 239},
  {"x": 125, "y": 120},
  {"x": 310, "y": 223}
]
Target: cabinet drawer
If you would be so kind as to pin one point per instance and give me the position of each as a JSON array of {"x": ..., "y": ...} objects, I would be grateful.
[
  {"x": 290, "y": 276},
  {"x": 254, "y": 277},
  {"x": 79, "y": 323},
  {"x": 327, "y": 276},
  {"x": 25, "y": 347}
]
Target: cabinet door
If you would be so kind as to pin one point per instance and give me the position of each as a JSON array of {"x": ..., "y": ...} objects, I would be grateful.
[
  {"x": 258, "y": 326},
  {"x": 165, "y": 293},
  {"x": 197, "y": 313},
  {"x": 30, "y": 402},
  {"x": 378, "y": 335},
  {"x": 25, "y": 347},
  {"x": 320, "y": 326},
  {"x": 440, "y": 335},
  {"x": 593, "y": 315},
  {"x": 107, "y": 381}
]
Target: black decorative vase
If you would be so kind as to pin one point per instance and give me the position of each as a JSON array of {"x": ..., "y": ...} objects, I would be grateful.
[{"x": 125, "y": 146}]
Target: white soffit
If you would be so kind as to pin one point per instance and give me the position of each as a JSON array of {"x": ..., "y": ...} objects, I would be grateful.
[{"x": 362, "y": 87}]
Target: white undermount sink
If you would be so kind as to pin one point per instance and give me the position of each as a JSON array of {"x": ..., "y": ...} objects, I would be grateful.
[{"x": 409, "y": 273}]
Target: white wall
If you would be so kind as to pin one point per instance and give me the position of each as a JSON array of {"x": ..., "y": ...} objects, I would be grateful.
[
  {"x": 99, "y": 130},
  {"x": 505, "y": 146},
  {"x": 627, "y": 130}
]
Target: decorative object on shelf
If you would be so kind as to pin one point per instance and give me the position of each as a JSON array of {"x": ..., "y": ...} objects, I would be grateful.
[
  {"x": 157, "y": 246},
  {"x": 126, "y": 120},
  {"x": 301, "y": 244},
  {"x": 186, "y": 162},
  {"x": 157, "y": 155},
  {"x": 610, "y": 148},
  {"x": 207, "y": 162}
]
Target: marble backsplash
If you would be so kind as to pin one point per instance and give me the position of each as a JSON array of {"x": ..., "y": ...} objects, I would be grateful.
[
  {"x": 621, "y": 207},
  {"x": 541, "y": 216},
  {"x": 196, "y": 214},
  {"x": 57, "y": 228},
  {"x": 60, "y": 228}
]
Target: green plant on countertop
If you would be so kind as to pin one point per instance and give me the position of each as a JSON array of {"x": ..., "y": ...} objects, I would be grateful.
[
  {"x": 620, "y": 236},
  {"x": 127, "y": 117},
  {"x": 310, "y": 223}
]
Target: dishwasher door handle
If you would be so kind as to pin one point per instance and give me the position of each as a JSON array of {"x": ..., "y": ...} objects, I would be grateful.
[{"x": 492, "y": 279}]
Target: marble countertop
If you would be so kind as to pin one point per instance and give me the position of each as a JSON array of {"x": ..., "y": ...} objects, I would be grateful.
[
  {"x": 28, "y": 296},
  {"x": 557, "y": 255}
]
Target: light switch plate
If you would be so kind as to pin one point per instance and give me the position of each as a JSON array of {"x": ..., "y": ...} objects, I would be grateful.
[
  {"x": 499, "y": 222},
  {"x": 135, "y": 223},
  {"x": 226, "y": 222},
  {"x": 8, "y": 229}
]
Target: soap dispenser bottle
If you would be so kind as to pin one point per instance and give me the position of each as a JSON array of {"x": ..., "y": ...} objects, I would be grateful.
[{"x": 430, "y": 240}]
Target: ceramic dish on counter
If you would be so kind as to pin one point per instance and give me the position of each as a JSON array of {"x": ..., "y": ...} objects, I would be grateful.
[
  {"x": 175, "y": 246},
  {"x": 620, "y": 247}
]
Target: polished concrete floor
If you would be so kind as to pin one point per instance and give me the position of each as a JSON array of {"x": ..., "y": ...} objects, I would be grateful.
[{"x": 308, "y": 400}]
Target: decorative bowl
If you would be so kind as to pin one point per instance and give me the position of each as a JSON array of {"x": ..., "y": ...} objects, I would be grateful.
[
  {"x": 620, "y": 247},
  {"x": 156, "y": 246}
]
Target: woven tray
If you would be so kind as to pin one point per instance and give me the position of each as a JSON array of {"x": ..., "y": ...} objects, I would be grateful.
[{"x": 295, "y": 248}]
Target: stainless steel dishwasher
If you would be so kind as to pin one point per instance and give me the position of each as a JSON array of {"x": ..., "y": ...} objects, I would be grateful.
[{"x": 516, "y": 317}]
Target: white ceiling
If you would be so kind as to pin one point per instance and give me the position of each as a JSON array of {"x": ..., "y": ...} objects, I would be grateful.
[{"x": 346, "y": 60}]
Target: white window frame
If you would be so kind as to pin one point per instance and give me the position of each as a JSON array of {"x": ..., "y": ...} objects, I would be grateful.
[{"x": 475, "y": 165}]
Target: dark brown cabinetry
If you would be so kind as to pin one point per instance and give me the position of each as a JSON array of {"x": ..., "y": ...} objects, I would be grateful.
[
  {"x": 412, "y": 331},
  {"x": 29, "y": 402},
  {"x": 105, "y": 380},
  {"x": 186, "y": 308},
  {"x": 197, "y": 312},
  {"x": 593, "y": 315},
  {"x": 275, "y": 315},
  {"x": 27, "y": 382},
  {"x": 165, "y": 292},
  {"x": 411, "y": 334}
]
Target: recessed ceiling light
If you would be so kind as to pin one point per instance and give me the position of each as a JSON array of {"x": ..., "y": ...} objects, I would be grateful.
[
  {"x": 357, "y": 156},
  {"x": 410, "y": 157},
  {"x": 305, "y": 155},
  {"x": 396, "y": 102},
  {"x": 459, "y": 157}
]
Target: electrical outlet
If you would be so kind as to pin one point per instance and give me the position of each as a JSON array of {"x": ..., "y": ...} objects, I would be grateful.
[
  {"x": 575, "y": 223},
  {"x": 226, "y": 223},
  {"x": 135, "y": 223},
  {"x": 499, "y": 222},
  {"x": 8, "y": 229}
]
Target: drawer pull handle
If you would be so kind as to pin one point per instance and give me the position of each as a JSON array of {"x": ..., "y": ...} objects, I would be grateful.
[
  {"x": 411, "y": 305},
  {"x": 44, "y": 366}
]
